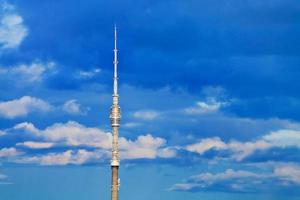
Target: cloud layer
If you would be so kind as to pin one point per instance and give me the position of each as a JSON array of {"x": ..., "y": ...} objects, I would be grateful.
[
  {"x": 239, "y": 151},
  {"x": 90, "y": 144},
  {"x": 284, "y": 177}
]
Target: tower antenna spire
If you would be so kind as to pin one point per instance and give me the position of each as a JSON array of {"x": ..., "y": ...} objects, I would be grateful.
[
  {"x": 115, "y": 63},
  {"x": 115, "y": 116}
]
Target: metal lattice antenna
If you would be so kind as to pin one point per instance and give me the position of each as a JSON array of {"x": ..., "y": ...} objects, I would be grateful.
[{"x": 115, "y": 64}]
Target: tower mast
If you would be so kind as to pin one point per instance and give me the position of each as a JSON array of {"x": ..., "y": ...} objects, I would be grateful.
[{"x": 115, "y": 116}]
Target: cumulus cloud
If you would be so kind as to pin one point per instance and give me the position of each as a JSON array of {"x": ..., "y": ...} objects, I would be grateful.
[
  {"x": 241, "y": 150},
  {"x": 23, "y": 106},
  {"x": 207, "y": 144},
  {"x": 73, "y": 107},
  {"x": 215, "y": 99},
  {"x": 9, "y": 152},
  {"x": 78, "y": 157},
  {"x": 74, "y": 135},
  {"x": 230, "y": 180},
  {"x": 287, "y": 175},
  {"x": 145, "y": 146},
  {"x": 206, "y": 107},
  {"x": 30, "y": 73},
  {"x": 36, "y": 145},
  {"x": 12, "y": 29},
  {"x": 29, "y": 127},
  {"x": 146, "y": 114},
  {"x": 284, "y": 138}
]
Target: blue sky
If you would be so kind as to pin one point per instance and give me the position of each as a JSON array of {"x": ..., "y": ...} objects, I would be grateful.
[{"x": 209, "y": 93}]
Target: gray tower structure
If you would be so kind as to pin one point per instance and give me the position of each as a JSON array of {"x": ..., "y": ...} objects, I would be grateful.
[{"x": 115, "y": 116}]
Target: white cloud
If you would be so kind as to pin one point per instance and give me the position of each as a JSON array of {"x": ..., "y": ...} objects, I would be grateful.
[
  {"x": 183, "y": 186},
  {"x": 228, "y": 174},
  {"x": 206, "y": 107},
  {"x": 167, "y": 152},
  {"x": 36, "y": 145},
  {"x": 207, "y": 144},
  {"x": 23, "y": 106},
  {"x": 146, "y": 114},
  {"x": 78, "y": 157},
  {"x": 289, "y": 172},
  {"x": 9, "y": 152},
  {"x": 89, "y": 74},
  {"x": 284, "y": 138},
  {"x": 70, "y": 134},
  {"x": 241, "y": 150},
  {"x": 76, "y": 135},
  {"x": 29, "y": 127},
  {"x": 73, "y": 107},
  {"x": 30, "y": 73},
  {"x": 243, "y": 180},
  {"x": 233, "y": 180},
  {"x": 12, "y": 29},
  {"x": 145, "y": 146}
]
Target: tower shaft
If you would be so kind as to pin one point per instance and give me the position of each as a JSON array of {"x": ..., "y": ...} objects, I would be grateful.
[
  {"x": 115, "y": 116},
  {"x": 115, "y": 182}
]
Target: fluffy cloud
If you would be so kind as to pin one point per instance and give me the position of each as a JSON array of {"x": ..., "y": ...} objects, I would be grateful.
[
  {"x": 145, "y": 146},
  {"x": 288, "y": 173},
  {"x": 283, "y": 176},
  {"x": 28, "y": 127},
  {"x": 146, "y": 114},
  {"x": 30, "y": 73},
  {"x": 12, "y": 29},
  {"x": 206, "y": 107},
  {"x": 73, "y": 107},
  {"x": 241, "y": 150},
  {"x": 207, "y": 144},
  {"x": 23, "y": 106},
  {"x": 74, "y": 135},
  {"x": 36, "y": 145},
  {"x": 78, "y": 157},
  {"x": 9, "y": 152},
  {"x": 284, "y": 138}
]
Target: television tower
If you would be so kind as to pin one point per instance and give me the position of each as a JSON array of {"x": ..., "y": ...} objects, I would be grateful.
[{"x": 115, "y": 116}]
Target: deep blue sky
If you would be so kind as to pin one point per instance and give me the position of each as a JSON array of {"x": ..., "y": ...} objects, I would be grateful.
[{"x": 209, "y": 93}]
